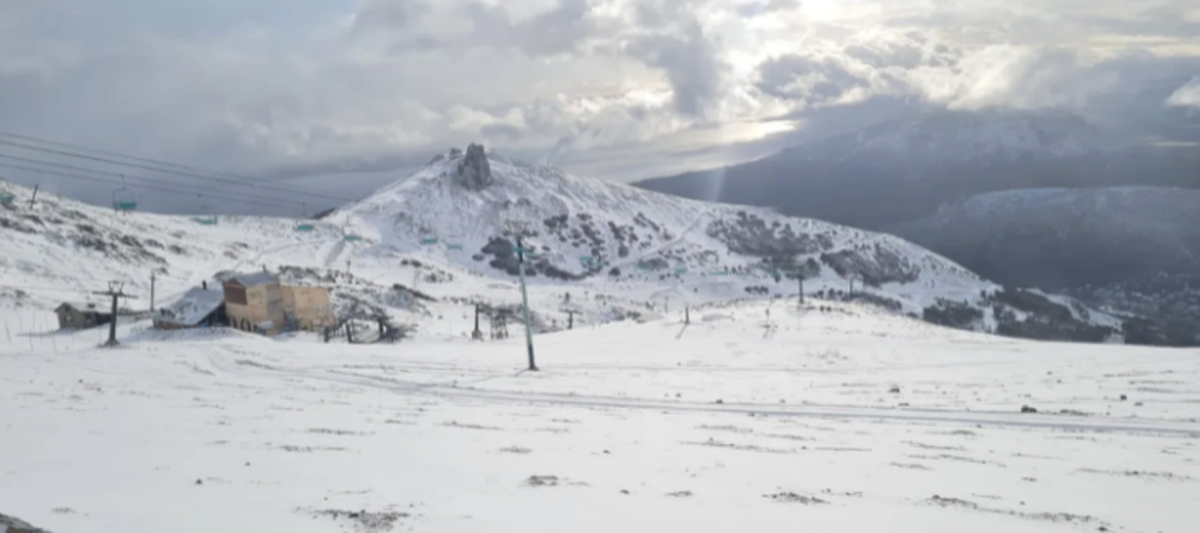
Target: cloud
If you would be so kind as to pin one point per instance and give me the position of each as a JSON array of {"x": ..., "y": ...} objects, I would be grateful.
[
  {"x": 692, "y": 64},
  {"x": 292, "y": 88},
  {"x": 1186, "y": 96},
  {"x": 388, "y": 15},
  {"x": 761, "y": 8},
  {"x": 809, "y": 79}
]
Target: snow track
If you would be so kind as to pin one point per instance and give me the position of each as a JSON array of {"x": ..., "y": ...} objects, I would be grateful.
[
  {"x": 246, "y": 367},
  {"x": 845, "y": 421}
]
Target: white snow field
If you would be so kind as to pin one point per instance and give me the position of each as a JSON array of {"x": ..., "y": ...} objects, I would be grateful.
[{"x": 833, "y": 418}]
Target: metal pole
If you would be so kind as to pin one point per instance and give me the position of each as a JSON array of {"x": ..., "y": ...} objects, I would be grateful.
[
  {"x": 112, "y": 324},
  {"x": 800, "y": 280},
  {"x": 525, "y": 304},
  {"x": 151, "y": 290}
]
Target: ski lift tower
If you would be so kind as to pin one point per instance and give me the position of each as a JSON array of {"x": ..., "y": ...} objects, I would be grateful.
[{"x": 518, "y": 230}]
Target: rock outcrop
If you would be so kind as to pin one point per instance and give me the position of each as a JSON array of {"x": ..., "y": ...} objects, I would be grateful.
[
  {"x": 12, "y": 524},
  {"x": 473, "y": 172}
]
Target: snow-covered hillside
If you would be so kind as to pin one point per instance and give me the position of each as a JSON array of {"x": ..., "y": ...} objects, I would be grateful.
[
  {"x": 611, "y": 235},
  {"x": 1132, "y": 249},
  {"x": 754, "y": 417},
  {"x": 441, "y": 240}
]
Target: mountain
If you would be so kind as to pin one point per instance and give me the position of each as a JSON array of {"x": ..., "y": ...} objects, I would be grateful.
[
  {"x": 901, "y": 170},
  {"x": 1067, "y": 237},
  {"x": 1135, "y": 249},
  {"x": 442, "y": 239}
]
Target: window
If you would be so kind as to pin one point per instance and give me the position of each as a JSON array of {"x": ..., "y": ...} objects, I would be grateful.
[{"x": 235, "y": 295}]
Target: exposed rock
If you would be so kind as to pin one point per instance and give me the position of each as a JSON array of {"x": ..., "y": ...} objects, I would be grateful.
[
  {"x": 12, "y": 524},
  {"x": 473, "y": 172}
]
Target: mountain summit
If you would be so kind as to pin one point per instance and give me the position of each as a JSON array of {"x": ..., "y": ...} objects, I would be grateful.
[{"x": 467, "y": 209}]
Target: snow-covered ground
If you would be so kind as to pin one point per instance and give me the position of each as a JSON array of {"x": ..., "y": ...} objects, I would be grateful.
[{"x": 753, "y": 417}]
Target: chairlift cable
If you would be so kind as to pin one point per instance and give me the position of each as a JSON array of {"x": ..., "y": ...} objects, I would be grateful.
[
  {"x": 160, "y": 188},
  {"x": 244, "y": 198},
  {"x": 196, "y": 174}
]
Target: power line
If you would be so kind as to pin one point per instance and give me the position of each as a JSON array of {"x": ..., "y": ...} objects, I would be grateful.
[
  {"x": 275, "y": 203},
  {"x": 123, "y": 177},
  {"x": 190, "y": 173}
]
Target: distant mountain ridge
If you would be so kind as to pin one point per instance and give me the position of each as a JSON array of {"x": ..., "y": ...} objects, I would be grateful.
[
  {"x": 901, "y": 170},
  {"x": 1133, "y": 249}
]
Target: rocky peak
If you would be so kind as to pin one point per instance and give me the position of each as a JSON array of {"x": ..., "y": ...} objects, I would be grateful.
[{"x": 473, "y": 171}]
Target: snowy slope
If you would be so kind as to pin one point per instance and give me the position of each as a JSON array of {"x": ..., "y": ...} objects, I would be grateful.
[
  {"x": 847, "y": 419},
  {"x": 639, "y": 240},
  {"x": 434, "y": 244},
  {"x": 59, "y": 249}
]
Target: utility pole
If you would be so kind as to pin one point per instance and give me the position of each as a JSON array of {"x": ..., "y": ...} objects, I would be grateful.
[
  {"x": 800, "y": 289},
  {"x": 33, "y": 198},
  {"x": 152, "y": 278},
  {"x": 116, "y": 291},
  {"x": 477, "y": 335},
  {"x": 520, "y": 249}
]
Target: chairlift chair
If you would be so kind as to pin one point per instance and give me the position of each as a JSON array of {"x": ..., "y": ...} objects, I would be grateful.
[
  {"x": 123, "y": 198},
  {"x": 210, "y": 220},
  {"x": 349, "y": 237},
  {"x": 300, "y": 224},
  {"x": 6, "y": 197},
  {"x": 429, "y": 240}
]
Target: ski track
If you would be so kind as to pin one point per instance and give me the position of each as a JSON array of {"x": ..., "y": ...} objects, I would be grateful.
[{"x": 982, "y": 418}]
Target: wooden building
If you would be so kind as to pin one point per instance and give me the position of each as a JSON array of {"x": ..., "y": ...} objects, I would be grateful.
[{"x": 74, "y": 315}]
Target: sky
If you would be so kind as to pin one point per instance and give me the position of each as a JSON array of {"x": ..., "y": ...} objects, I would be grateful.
[{"x": 344, "y": 96}]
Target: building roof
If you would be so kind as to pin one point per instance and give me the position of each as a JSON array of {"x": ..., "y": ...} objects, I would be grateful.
[
  {"x": 254, "y": 279},
  {"x": 86, "y": 307},
  {"x": 193, "y": 307}
]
